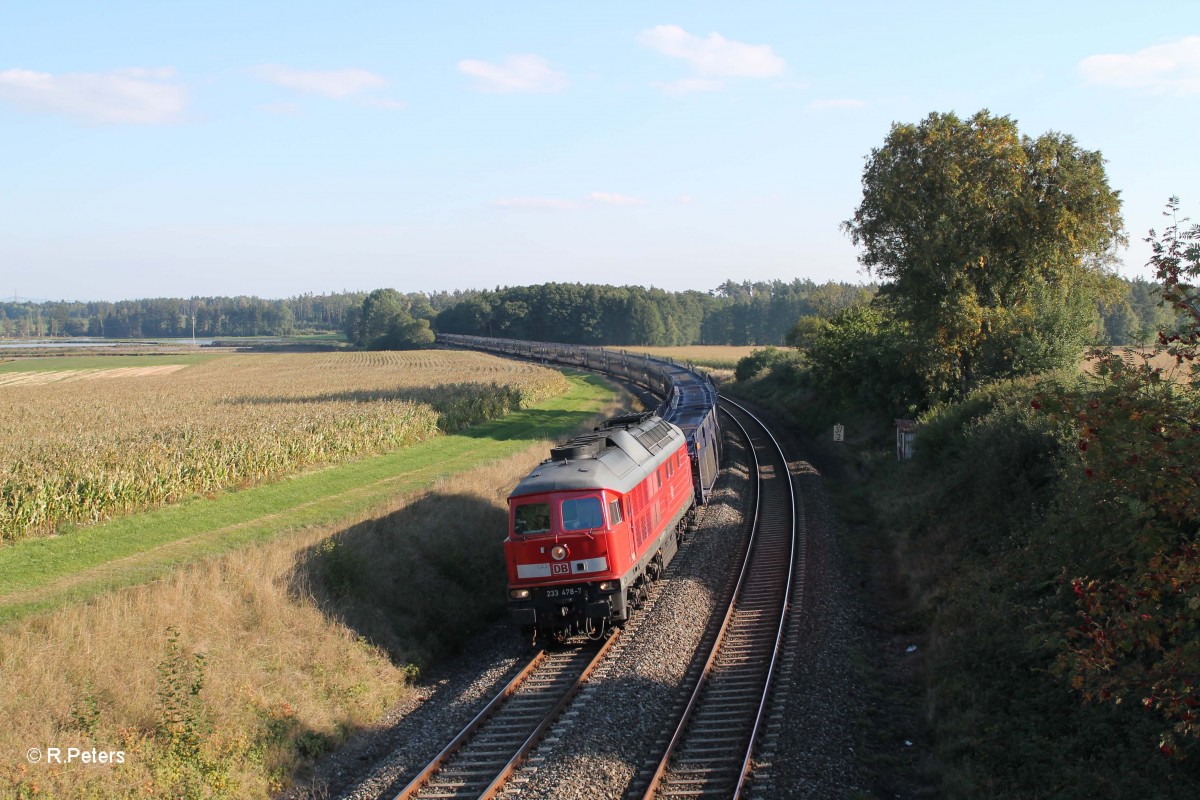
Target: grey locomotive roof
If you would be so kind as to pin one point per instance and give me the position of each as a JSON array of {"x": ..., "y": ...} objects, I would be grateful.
[{"x": 618, "y": 455}]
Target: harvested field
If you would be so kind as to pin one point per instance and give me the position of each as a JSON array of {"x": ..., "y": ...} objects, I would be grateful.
[
  {"x": 68, "y": 375},
  {"x": 79, "y": 449},
  {"x": 1157, "y": 358}
]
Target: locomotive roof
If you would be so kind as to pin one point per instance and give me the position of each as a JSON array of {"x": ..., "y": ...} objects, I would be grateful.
[{"x": 618, "y": 455}]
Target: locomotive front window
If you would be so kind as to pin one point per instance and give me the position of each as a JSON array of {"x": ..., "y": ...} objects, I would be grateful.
[
  {"x": 531, "y": 518},
  {"x": 582, "y": 514}
]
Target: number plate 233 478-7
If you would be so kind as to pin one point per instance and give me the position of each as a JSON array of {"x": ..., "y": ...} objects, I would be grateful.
[{"x": 570, "y": 591}]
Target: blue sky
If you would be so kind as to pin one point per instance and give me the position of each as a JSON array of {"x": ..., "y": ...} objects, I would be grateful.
[{"x": 172, "y": 149}]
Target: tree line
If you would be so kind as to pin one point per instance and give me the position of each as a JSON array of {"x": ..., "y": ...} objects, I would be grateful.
[
  {"x": 173, "y": 317},
  {"x": 734, "y": 313}
]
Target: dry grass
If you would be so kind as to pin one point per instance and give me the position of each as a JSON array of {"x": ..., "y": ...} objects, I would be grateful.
[
  {"x": 284, "y": 676},
  {"x": 79, "y": 451}
]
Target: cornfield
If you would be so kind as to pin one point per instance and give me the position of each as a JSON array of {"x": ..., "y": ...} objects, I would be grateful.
[{"x": 80, "y": 451}]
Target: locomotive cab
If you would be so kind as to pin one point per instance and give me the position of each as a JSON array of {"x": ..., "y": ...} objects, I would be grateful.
[
  {"x": 594, "y": 523},
  {"x": 560, "y": 566}
]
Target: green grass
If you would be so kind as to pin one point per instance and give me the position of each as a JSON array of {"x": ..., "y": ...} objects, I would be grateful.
[
  {"x": 41, "y": 574},
  {"x": 109, "y": 361},
  {"x": 318, "y": 337}
]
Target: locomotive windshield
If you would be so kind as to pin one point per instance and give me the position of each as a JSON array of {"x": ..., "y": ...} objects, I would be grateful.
[
  {"x": 582, "y": 514},
  {"x": 531, "y": 518}
]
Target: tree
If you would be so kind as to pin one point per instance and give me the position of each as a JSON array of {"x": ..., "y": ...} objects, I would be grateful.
[
  {"x": 862, "y": 357},
  {"x": 983, "y": 237},
  {"x": 384, "y": 323},
  {"x": 380, "y": 309},
  {"x": 1176, "y": 259},
  {"x": 645, "y": 322},
  {"x": 805, "y": 332}
]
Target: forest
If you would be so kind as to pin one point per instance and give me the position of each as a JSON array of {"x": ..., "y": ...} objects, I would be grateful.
[{"x": 745, "y": 313}]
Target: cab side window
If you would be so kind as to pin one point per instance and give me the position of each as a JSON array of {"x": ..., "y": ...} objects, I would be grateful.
[{"x": 614, "y": 512}]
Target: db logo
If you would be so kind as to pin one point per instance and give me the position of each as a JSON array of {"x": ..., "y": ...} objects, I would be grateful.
[{"x": 560, "y": 569}]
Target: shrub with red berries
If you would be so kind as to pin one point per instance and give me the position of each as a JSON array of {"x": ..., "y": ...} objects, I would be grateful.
[{"x": 1137, "y": 637}]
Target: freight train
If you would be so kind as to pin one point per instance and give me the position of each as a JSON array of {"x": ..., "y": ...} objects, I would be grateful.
[{"x": 593, "y": 525}]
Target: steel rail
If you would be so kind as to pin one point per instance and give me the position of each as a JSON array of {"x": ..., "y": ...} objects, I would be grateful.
[
  {"x": 663, "y": 768},
  {"x": 479, "y": 724},
  {"x": 787, "y": 599},
  {"x": 496, "y": 785},
  {"x": 474, "y": 725}
]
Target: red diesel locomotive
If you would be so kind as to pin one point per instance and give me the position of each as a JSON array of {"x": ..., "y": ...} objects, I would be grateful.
[{"x": 595, "y": 523}]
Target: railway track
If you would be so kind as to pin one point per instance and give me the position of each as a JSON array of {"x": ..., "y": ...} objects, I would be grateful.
[
  {"x": 483, "y": 756},
  {"x": 710, "y": 753},
  {"x": 711, "y": 750}
]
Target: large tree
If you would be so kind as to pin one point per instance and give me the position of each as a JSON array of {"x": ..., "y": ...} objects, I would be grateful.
[
  {"x": 992, "y": 246},
  {"x": 384, "y": 322}
]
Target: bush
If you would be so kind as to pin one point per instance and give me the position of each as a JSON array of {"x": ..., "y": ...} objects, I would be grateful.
[
  {"x": 768, "y": 358},
  {"x": 988, "y": 522}
]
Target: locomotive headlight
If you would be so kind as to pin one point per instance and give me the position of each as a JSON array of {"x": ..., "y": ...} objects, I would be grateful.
[
  {"x": 558, "y": 552},
  {"x": 607, "y": 586},
  {"x": 518, "y": 594}
]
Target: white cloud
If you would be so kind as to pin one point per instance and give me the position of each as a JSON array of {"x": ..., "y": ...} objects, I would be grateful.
[
  {"x": 1170, "y": 67},
  {"x": 552, "y": 203},
  {"x": 136, "y": 95},
  {"x": 614, "y": 199},
  {"x": 686, "y": 85},
  {"x": 521, "y": 73},
  {"x": 714, "y": 56},
  {"x": 842, "y": 102},
  {"x": 686, "y": 199},
  {"x": 283, "y": 109},
  {"x": 329, "y": 83}
]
